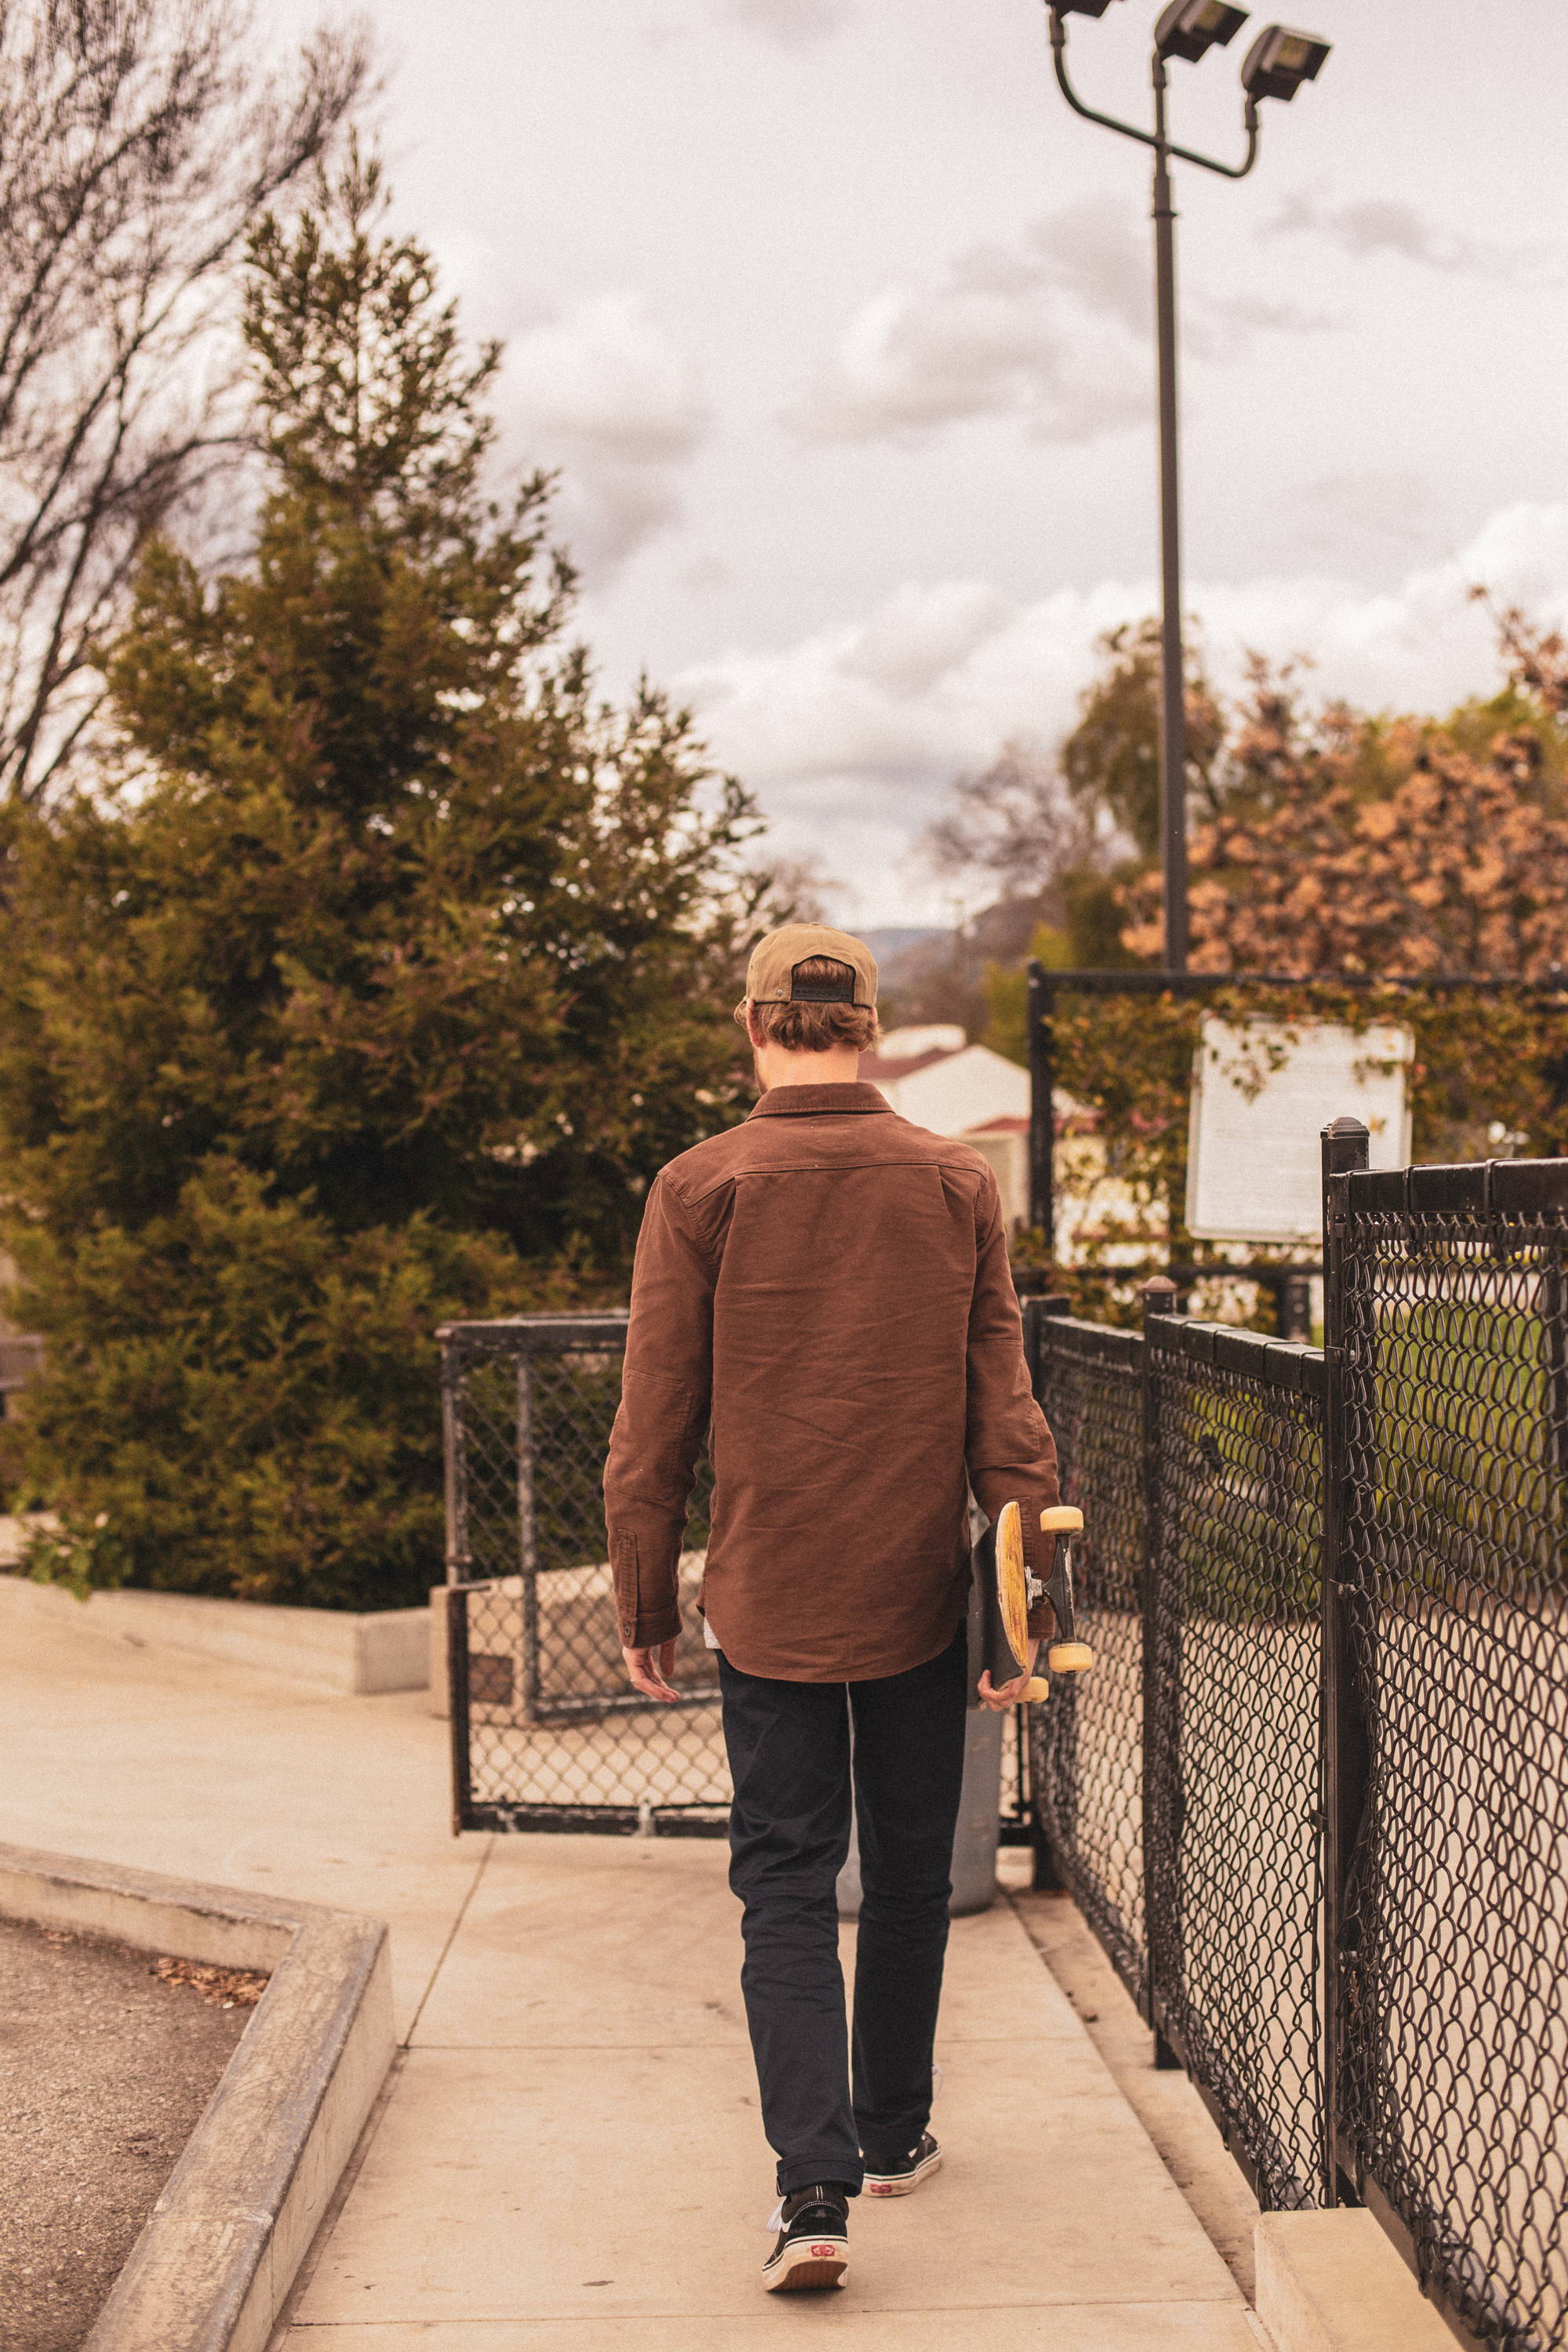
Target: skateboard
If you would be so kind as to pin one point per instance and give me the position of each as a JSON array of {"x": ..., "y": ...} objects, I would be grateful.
[{"x": 1008, "y": 1593}]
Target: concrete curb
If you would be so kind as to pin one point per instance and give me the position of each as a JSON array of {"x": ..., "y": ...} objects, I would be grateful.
[
  {"x": 332, "y": 1649},
  {"x": 218, "y": 2253},
  {"x": 1332, "y": 2282}
]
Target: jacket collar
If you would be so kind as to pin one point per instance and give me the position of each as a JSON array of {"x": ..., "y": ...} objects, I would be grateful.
[{"x": 803, "y": 1102}]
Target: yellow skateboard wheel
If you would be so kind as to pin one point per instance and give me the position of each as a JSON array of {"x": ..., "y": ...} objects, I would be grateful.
[{"x": 1069, "y": 1658}]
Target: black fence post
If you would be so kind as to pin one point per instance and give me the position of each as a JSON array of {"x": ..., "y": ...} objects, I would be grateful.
[
  {"x": 1032, "y": 1309},
  {"x": 458, "y": 1706},
  {"x": 1047, "y": 1878},
  {"x": 1042, "y": 1106},
  {"x": 1555, "y": 1325},
  {"x": 528, "y": 1534},
  {"x": 1295, "y": 1317},
  {"x": 455, "y": 1457},
  {"x": 1162, "y": 1669},
  {"x": 1346, "y": 1147}
]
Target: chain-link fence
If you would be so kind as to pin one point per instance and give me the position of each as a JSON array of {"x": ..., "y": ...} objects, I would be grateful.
[
  {"x": 546, "y": 1732},
  {"x": 1320, "y": 1814},
  {"x": 1088, "y": 1777},
  {"x": 1451, "y": 1766},
  {"x": 1176, "y": 1786},
  {"x": 1233, "y": 1796}
]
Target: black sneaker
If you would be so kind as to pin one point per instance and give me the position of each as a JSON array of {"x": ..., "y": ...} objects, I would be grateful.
[
  {"x": 813, "y": 2248},
  {"x": 905, "y": 2173}
]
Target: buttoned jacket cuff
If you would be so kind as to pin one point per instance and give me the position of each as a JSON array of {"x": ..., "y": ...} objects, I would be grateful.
[{"x": 645, "y": 1633}]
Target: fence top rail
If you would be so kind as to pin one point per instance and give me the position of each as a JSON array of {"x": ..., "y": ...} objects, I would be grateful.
[
  {"x": 1276, "y": 1363},
  {"x": 535, "y": 1335},
  {"x": 1484, "y": 1188},
  {"x": 1208, "y": 984},
  {"x": 1104, "y": 1343}
]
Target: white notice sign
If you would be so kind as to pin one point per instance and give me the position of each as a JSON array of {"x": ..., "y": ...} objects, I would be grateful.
[{"x": 1263, "y": 1091}]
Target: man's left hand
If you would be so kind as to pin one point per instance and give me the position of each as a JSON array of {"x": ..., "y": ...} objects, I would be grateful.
[{"x": 999, "y": 1701}]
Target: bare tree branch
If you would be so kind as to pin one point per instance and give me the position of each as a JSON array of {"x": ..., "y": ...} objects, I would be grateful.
[
  {"x": 141, "y": 140},
  {"x": 1013, "y": 826}
]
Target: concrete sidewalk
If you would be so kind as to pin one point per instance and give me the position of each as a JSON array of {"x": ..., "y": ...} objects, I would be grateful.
[{"x": 569, "y": 2155}]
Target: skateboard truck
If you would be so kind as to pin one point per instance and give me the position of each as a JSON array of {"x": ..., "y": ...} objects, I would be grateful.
[
  {"x": 1008, "y": 1593},
  {"x": 1067, "y": 1655}
]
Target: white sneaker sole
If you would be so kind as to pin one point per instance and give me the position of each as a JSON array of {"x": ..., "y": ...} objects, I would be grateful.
[
  {"x": 902, "y": 2184},
  {"x": 808, "y": 2263}
]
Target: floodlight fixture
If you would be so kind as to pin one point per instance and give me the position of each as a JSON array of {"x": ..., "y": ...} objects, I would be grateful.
[
  {"x": 1190, "y": 28},
  {"x": 1279, "y": 61}
]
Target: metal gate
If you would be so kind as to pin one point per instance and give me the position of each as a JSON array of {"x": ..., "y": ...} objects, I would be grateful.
[{"x": 546, "y": 1734}]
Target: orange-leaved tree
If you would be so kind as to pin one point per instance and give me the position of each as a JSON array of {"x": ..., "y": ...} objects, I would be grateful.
[{"x": 1346, "y": 845}]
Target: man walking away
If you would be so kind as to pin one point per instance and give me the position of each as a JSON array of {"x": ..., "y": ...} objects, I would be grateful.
[{"x": 823, "y": 1295}]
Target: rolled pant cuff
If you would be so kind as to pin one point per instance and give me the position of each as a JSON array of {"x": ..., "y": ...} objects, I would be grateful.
[
  {"x": 792, "y": 2177},
  {"x": 886, "y": 2147}
]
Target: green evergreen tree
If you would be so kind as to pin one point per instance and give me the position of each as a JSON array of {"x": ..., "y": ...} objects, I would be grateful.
[{"x": 372, "y": 988}]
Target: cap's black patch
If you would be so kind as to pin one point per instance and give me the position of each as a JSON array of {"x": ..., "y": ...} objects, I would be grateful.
[{"x": 836, "y": 989}]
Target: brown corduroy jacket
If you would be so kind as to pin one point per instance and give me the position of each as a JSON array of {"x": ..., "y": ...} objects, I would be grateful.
[{"x": 823, "y": 1295}]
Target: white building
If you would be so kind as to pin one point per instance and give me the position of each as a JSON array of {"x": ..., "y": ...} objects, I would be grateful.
[{"x": 934, "y": 1077}]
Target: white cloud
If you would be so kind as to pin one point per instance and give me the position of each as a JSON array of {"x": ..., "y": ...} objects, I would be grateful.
[
  {"x": 1379, "y": 227},
  {"x": 851, "y": 736},
  {"x": 922, "y": 635},
  {"x": 1101, "y": 254},
  {"x": 794, "y": 22},
  {"x": 1053, "y": 331},
  {"x": 1372, "y": 511},
  {"x": 1037, "y": 333},
  {"x": 604, "y": 393}
]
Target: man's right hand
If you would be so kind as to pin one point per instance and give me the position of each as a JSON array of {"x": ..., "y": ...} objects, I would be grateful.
[
  {"x": 650, "y": 1671},
  {"x": 999, "y": 1701}
]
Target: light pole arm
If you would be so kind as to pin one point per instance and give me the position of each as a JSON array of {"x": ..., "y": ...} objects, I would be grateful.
[
  {"x": 1130, "y": 130},
  {"x": 1090, "y": 114},
  {"x": 1230, "y": 171}
]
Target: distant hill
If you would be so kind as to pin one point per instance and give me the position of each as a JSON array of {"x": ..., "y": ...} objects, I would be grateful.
[
  {"x": 893, "y": 942},
  {"x": 930, "y": 974}
]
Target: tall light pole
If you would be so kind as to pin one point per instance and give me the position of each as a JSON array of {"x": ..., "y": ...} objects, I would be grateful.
[{"x": 1275, "y": 66}]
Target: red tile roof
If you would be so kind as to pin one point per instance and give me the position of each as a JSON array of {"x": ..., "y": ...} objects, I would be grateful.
[{"x": 877, "y": 1068}]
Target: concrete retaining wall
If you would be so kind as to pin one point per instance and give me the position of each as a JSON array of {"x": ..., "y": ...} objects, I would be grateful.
[
  {"x": 333, "y": 1649},
  {"x": 210, "y": 2270}
]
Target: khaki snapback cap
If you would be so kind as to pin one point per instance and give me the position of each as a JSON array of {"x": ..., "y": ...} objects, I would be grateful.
[{"x": 771, "y": 973}]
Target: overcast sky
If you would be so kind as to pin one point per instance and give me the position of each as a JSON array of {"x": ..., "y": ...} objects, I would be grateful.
[{"x": 837, "y": 323}]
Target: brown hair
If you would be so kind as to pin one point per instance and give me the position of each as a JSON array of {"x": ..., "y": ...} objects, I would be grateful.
[{"x": 814, "y": 1028}]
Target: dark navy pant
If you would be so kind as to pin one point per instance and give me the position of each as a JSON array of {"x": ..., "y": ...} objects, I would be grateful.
[{"x": 790, "y": 1757}]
